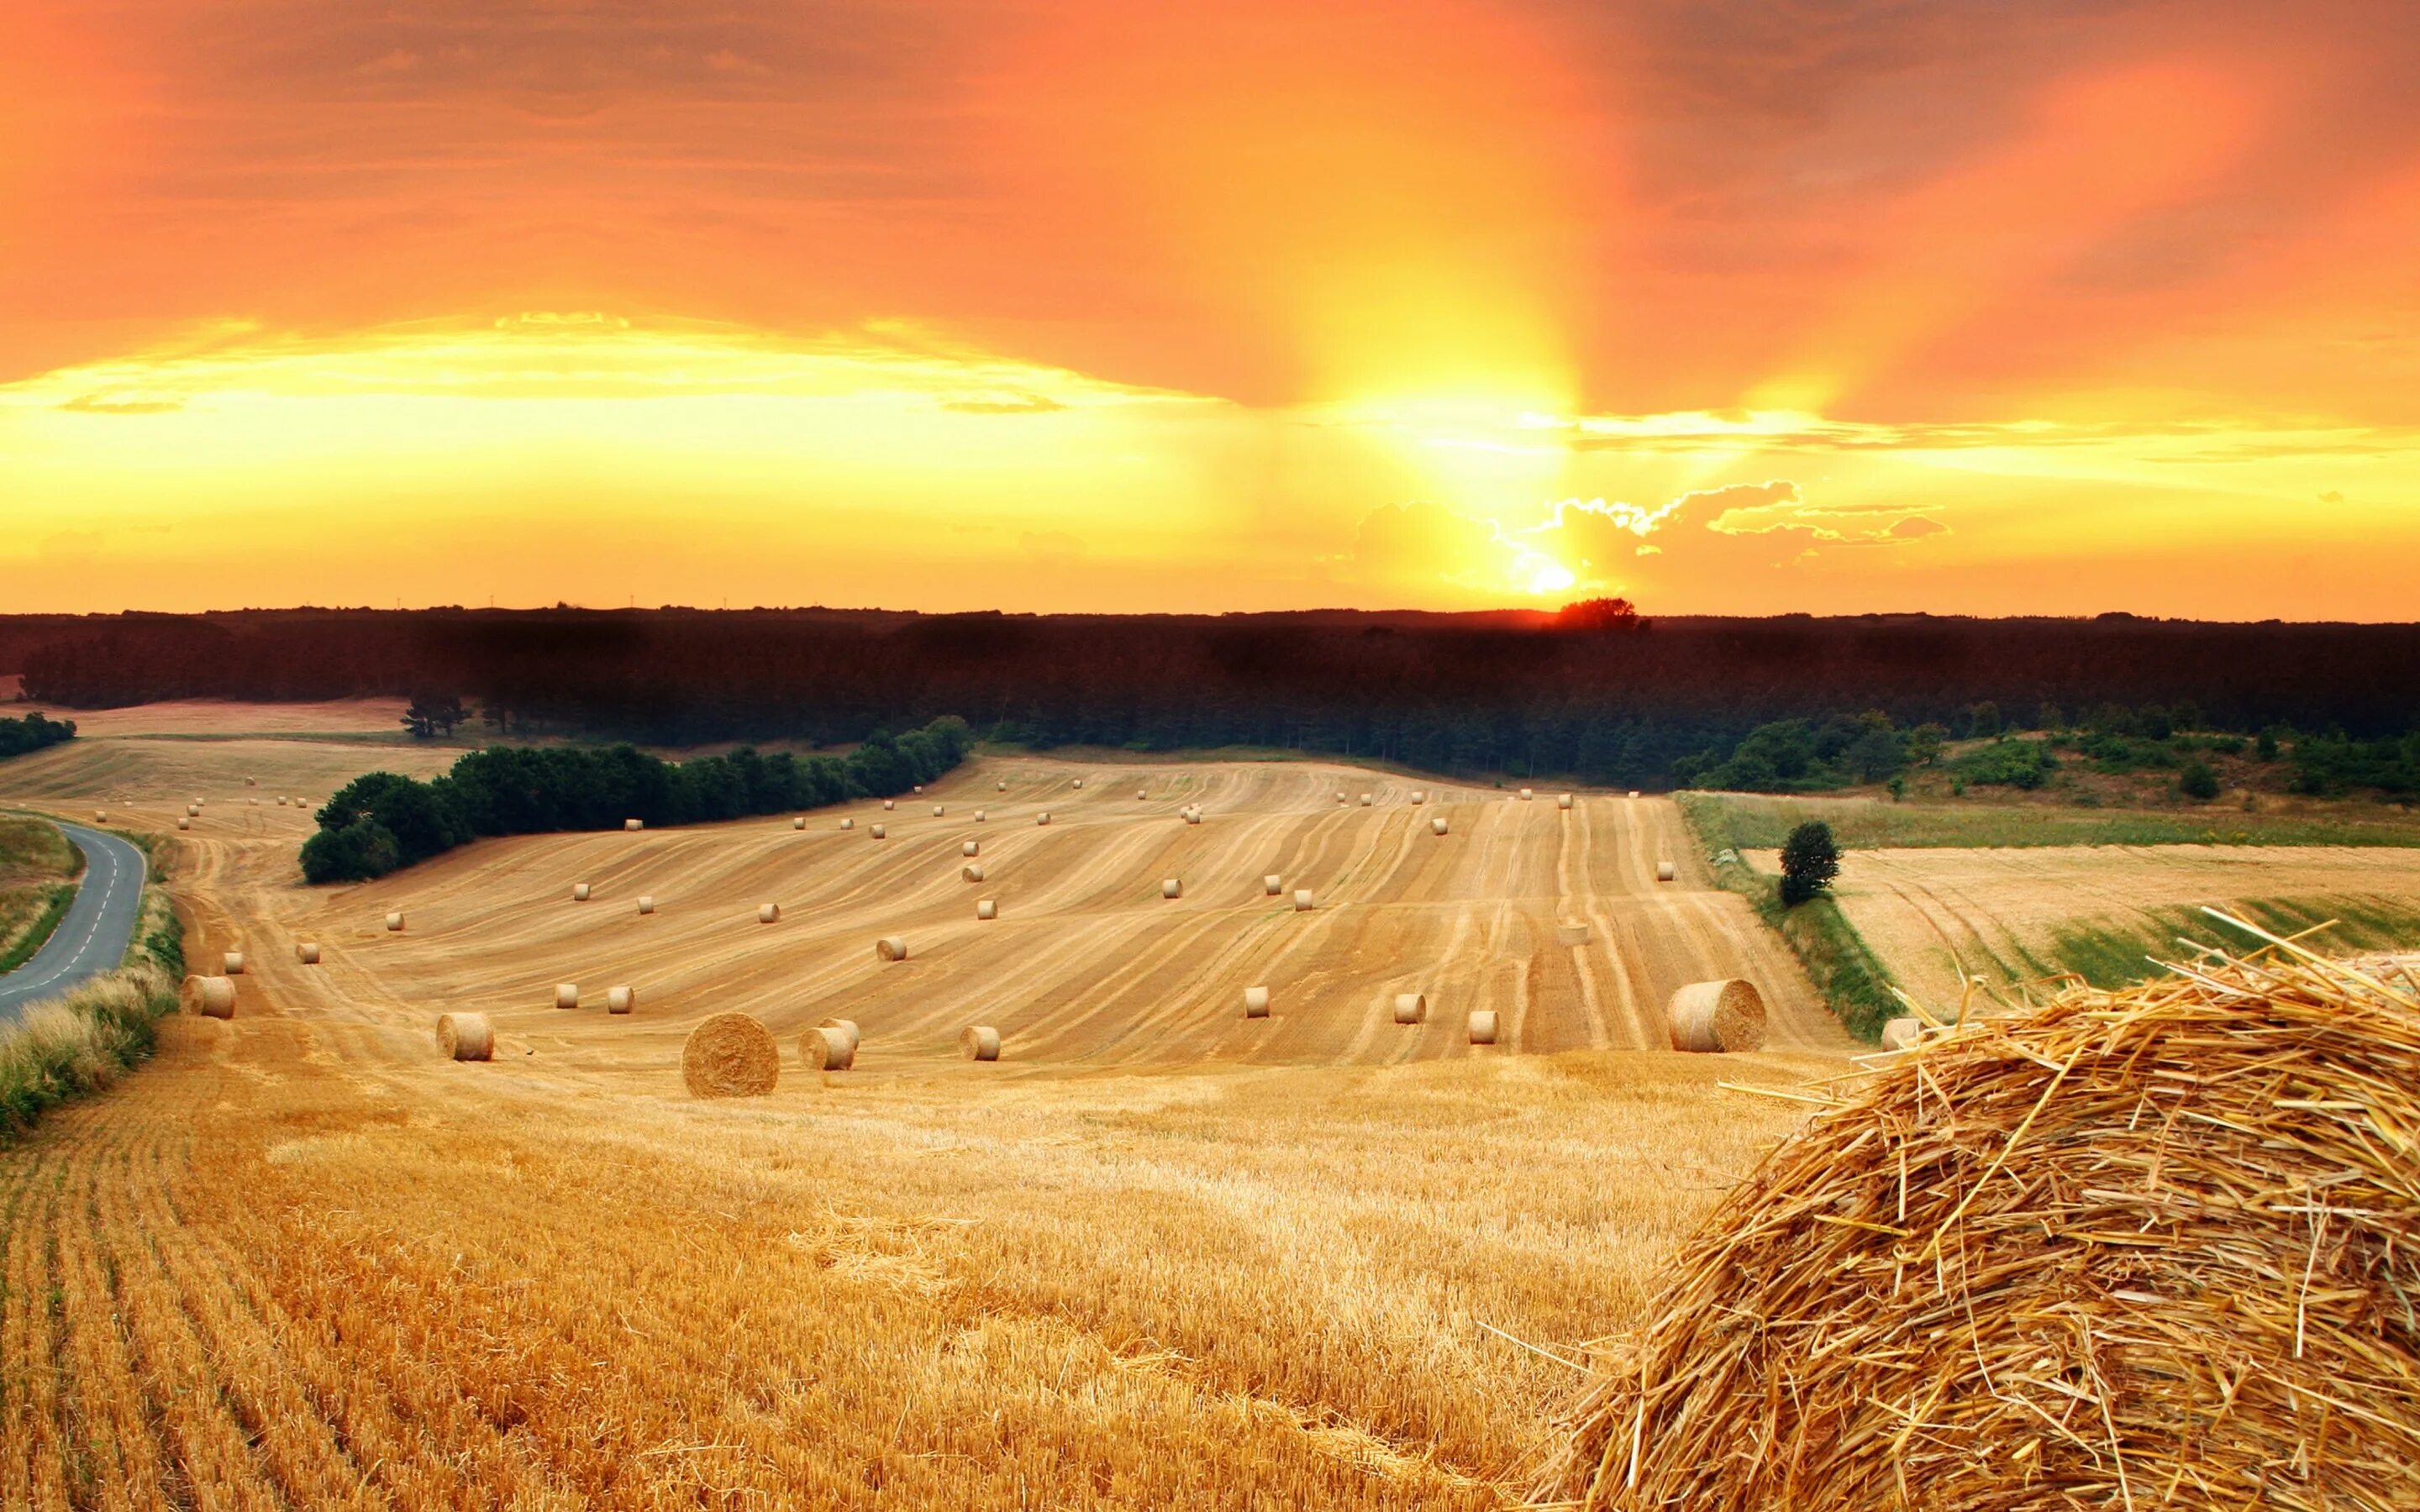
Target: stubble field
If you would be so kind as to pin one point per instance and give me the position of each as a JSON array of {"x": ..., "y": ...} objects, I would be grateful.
[{"x": 1158, "y": 1256}]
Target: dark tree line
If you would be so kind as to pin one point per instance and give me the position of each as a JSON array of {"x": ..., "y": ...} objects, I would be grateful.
[
  {"x": 32, "y": 732},
  {"x": 1604, "y": 697},
  {"x": 380, "y": 822}
]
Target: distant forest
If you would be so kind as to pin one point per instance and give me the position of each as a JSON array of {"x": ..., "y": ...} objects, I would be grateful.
[{"x": 1607, "y": 698}]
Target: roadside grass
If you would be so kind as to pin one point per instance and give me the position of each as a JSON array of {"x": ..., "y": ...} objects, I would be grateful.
[
  {"x": 84, "y": 1042},
  {"x": 1762, "y": 822},
  {"x": 1850, "y": 976},
  {"x": 28, "y": 918},
  {"x": 2112, "y": 957}
]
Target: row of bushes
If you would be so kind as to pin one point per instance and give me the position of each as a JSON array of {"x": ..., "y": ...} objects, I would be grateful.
[
  {"x": 380, "y": 822},
  {"x": 32, "y": 732}
]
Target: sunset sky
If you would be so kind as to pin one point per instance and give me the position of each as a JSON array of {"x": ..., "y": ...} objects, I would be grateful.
[{"x": 1732, "y": 307}]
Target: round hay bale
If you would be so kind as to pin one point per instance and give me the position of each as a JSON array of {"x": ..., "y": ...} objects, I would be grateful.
[
  {"x": 888, "y": 805},
  {"x": 881, "y": 831},
  {"x": 195, "y": 802},
  {"x": 1411, "y": 1007},
  {"x": 621, "y": 1000},
  {"x": 800, "y": 823},
  {"x": 193, "y": 810},
  {"x": 972, "y": 847},
  {"x": 1562, "y": 800},
  {"x": 395, "y": 923},
  {"x": 1079, "y": 782},
  {"x": 231, "y": 963},
  {"x": 1341, "y": 798},
  {"x": 580, "y": 893},
  {"x": 827, "y": 1049},
  {"x": 1256, "y": 1002},
  {"x": 254, "y": 802},
  {"x": 1302, "y": 900},
  {"x": 1715, "y": 1017},
  {"x": 633, "y": 826},
  {"x": 101, "y": 816},
  {"x": 1482, "y": 1026},
  {"x": 1436, "y": 825},
  {"x": 1001, "y": 786},
  {"x": 252, "y": 782},
  {"x": 1171, "y": 887},
  {"x": 768, "y": 912},
  {"x": 730, "y": 1054},
  {"x": 891, "y": 947},
  {"x": 986, "y": 908},
  {"x": 1193, "y": 816},
  {"x": 1667, "y": 871},
  {"x": 847, "y": 1027},
  {"x": 466, "y": 1037},
  {"x": 1042, "y": 818},
  {"x": 970, "y": 874},
  {"x": 2149, "y": 1244},
  {"x": 307, "y": 954},
  {"x": 1526, "y": 795},
  {"x": 567, "y": 994},
  {"x": 1365, "y": 800},
  {"x": 979, "y": 816},
  {"x": 1903, "y": 1034},
  {"x": 920, "y": 787},
  {"x": 646, "y": 904},
  {"x": 1570, "y": 932},
  {"x": 1634, "y": 792},
  {"x": 978, "y": 1041},
  {"x": 937, "y": 811},
  {"x": 211, "y": 996},
  {"x": 1142, "y": 794},
  {"x": 848, "y": 824},
  {"x": 183, "y": 823},
  {"x": 1272, "y": 885},
  {"x": 1420, "y": 795}
]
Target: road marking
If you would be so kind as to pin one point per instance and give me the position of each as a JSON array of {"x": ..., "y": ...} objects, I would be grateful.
[{"x": 113, "y": 851}]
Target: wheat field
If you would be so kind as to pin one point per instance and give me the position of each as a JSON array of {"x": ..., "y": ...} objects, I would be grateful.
[{"x": 1159, "y": 1255}]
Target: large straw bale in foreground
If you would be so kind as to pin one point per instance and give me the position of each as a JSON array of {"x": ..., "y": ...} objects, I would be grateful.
[
  {"x": 1711, "y": 1017},
  {"x": 466, "y": 1037},
  {"x": 2156, "y": 1247},
  {"x": 211, "y": 996},
  {"x": 730, "y": 1054}
]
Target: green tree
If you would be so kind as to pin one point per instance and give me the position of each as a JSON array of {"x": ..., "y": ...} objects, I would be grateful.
[
  {"x": 1925, "y": 741},
  {"x": 1811, "y": 859},
  {"x": 2197, "y": 781}
]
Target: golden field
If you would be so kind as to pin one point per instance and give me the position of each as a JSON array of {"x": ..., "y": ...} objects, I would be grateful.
[{"x": 1159, "y": 1255}]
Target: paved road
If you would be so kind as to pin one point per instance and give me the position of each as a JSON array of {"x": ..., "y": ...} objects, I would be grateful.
[{"x": 98, "y": 925}]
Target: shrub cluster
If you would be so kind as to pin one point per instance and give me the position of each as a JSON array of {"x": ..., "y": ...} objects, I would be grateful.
[
  {"x": 380, "y": 822},
  {"x": 32, "y": 732}
]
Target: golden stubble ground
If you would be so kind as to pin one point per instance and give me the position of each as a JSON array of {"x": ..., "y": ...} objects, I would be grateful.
[{"x": 1143, "y": 1261}]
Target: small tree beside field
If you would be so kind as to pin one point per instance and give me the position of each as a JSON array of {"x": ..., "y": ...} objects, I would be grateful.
[{"x": 1811, "y": 859}]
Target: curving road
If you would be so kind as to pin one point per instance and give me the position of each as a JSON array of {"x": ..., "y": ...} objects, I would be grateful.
[{"x": 97, "y": 928}]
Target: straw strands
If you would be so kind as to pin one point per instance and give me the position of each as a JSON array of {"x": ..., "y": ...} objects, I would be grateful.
[
  {"x": 2151, "y": 1248},
  {"x": 466, "y": 1037},
  {"x": 1713, "y": 1017},
  {"x": 730, "y": 1054}
]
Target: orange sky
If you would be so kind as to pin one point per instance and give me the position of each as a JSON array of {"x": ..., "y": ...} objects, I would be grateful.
[{"x": 1732, "y": 307}]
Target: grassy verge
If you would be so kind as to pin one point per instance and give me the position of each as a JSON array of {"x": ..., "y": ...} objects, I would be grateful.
[
  {"x": 45, "y": 922},
  {"x": 86, "y": 1041},
  {"x": 2112, "y": 957},
  {"x": 1760, "y": 822},
  {"x": 1850, "y": 976}
]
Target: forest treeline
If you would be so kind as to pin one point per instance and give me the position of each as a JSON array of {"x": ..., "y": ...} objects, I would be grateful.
[
  {"x": 32, "y": 732},
  {"x": 380, "y": 822},
  {"x": 1607, "y": 700}
]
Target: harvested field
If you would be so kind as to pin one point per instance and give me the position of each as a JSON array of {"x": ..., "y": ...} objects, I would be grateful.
[
  {"x": 2016, "y": 914},
  {"x": 1152, "y": 1223}
]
